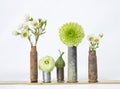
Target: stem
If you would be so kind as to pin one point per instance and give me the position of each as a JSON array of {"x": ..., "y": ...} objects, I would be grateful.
[
  {"x": 30, "y": 41},
  {"x": 37, "y": 35},
  {"x": 36, "y": 39},
  {"x": 61, "y": 53}
]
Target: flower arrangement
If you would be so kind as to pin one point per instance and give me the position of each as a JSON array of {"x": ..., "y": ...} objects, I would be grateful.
[
  {"x": 60, "y": 62},
  {"x": 31, "y": 29},
  {"x": 71, "y": 34},
  {"x": 46, "y": 64},
  {"x": 94, "y": 41}
]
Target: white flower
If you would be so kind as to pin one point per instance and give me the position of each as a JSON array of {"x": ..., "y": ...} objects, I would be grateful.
[
  {"x": 46, "y": 64},
  {"x": 96, "y": 40},
  {"x": 28, "y": 18},
  {"x": 35, "y": 24},
  {"x": 15, "y": 33},
  {"x": 31, "y": 29},
  {"x": 20, "y": 26},
  {"x": 101, "y": 35},
  {"x": 25, "y": 34},
  {"x": 24, "y": 26},
  {"x": 91, "y": 38}
]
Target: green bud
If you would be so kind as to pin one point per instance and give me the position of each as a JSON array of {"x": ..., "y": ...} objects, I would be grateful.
[
  {"x": 60, "y": 62},
  {"x": 30, "y": 19},
  {"x": 101, "y": 35}
]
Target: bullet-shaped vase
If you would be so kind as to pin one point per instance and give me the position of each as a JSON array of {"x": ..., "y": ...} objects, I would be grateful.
[
  {"x": 72, "y": 64},
  {"x": 60, "y": 74},
  {"x": 33, "y": 65},
  {"x": 46, "y": 77},
  {"x": 92, "y": 67}
]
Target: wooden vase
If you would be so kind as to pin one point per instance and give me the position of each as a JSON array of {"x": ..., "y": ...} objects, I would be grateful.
[
  {"x": 60, "y": 74},
  {"x": 92, "y": 67},
  {"x": 33, "y": 65},
  {"x": 72, "y": 64}
]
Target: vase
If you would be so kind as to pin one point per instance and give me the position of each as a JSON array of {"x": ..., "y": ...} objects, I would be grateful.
[
  {"x": 46, "y": 77},
  {"x": 72, "y": 64},
  {"x": 92, "y": 67},
  {"x": 60, "y": 74},
  {"x": 33, "y": 65}
]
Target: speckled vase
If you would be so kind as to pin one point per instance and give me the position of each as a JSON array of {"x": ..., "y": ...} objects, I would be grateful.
[
  {"x": 33, "y": 65},
  {"x": 92, "y": 67},
  {"x": 72, "y": 64},
  {"x": 60, "y": 74}
]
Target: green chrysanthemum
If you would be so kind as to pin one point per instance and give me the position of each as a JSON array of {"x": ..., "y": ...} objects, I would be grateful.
[
  {"x": 71, "y": 34},
  {"x": 46, "y": 64}
]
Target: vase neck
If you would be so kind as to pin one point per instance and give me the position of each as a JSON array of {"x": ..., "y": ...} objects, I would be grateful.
[
  {"x": 33, "y": 48},
  {"x": 93, "y": 52}
]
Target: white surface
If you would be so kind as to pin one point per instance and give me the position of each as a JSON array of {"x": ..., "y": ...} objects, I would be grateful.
[{"x": 95, "y": 16}]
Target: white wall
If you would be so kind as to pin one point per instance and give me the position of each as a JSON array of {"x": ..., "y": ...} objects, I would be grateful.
[{"x": 95, "y": 16}]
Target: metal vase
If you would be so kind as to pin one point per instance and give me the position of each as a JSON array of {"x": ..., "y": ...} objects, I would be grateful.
[
  {"x": 92, "y": 67},
  {"x": 46, "y": 77},
  {"x": 33, "y": 65},
  {"x": 72, "y": 64},
  {"x": 60, "y": 74}
]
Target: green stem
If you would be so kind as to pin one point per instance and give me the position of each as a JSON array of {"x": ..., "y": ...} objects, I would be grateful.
[
  {"x": 36, "y": 39},
  {"x": 61, "y": 53},
  {"x": 30, "y": 42}
]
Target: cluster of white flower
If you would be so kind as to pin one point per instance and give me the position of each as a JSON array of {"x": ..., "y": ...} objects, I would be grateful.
[
  {"x": 94, "y": 41},
  {"x": 30, "y": 28}
]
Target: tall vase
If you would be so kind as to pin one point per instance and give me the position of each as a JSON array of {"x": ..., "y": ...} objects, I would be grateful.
[
  {"x": 92, "y": 67},
  {"x": 72, "y": 64},
  {"x": 33, "y": 65},
  {"x": 60, "y": 74},
  {"x": 46, "y": 77}
]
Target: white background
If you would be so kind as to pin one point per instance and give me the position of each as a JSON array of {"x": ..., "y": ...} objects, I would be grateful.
[{"x": 95, "y": 16}]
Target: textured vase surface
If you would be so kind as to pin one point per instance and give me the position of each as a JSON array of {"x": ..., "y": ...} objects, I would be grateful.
[
  {"x": 46, "y": 77},
  {"x": 92, "y": 67},
  {"x": 33, "y": 65},
  {"x": 72, "y": 64},
  {"x": 60, "y": 74}
]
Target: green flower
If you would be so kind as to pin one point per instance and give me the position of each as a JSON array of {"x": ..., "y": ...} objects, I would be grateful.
[
  {"x": 60, "y": 62},
  {"x": 46, "y": 64},
  {"x": 71, "y": 34}
]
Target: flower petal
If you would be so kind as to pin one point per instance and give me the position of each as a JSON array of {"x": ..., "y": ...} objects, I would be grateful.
[
  {"x": 46, "y": 64},
  {"x": 71, "y": 34}
]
